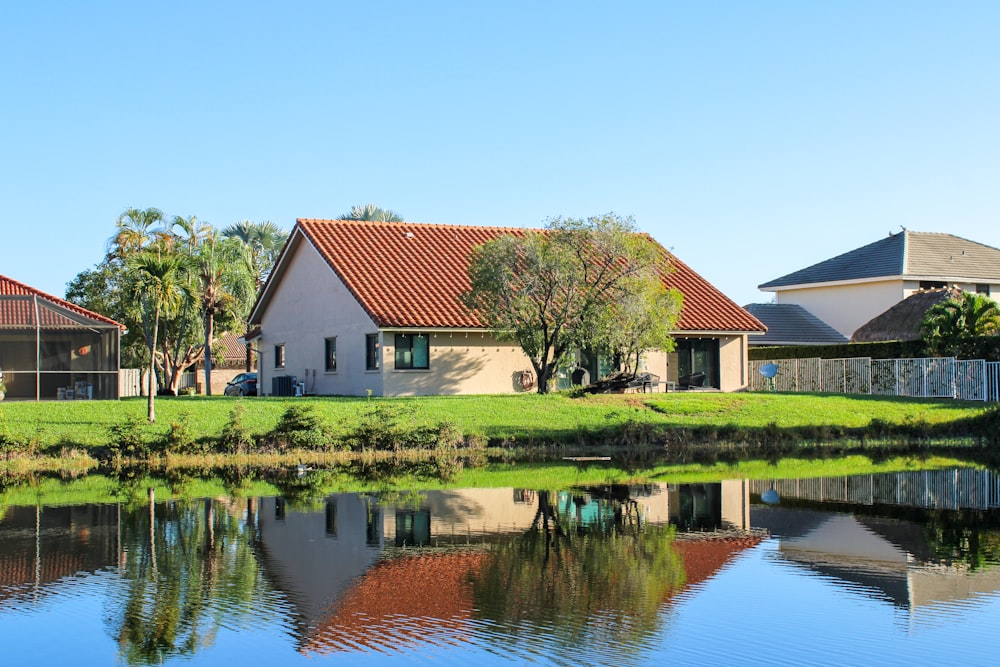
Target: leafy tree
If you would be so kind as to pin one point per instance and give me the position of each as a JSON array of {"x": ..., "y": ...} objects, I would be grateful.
[
  {"x": 951, "y": 326},
  {"x": 373, "y": 213},
  {"x": 593, "y": 283}
]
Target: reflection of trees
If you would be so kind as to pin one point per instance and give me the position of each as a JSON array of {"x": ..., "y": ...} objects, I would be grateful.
[
  {"x": 584, "y": 586},
  {"x": 966, "y": 537},
  {"x": 187, "y": 567}
]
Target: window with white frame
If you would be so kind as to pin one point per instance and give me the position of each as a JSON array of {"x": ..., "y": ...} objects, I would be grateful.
[{"x": 279, "y": 355}]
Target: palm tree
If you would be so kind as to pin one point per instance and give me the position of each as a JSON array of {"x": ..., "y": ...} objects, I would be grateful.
[
  {"x": 262, "y": 243},
  {"x": 373, "y": 213},
  {"x": 958, "y": 320},
  {"x": 225, "y": 285},
  {"x": 161, "y": 274},
  {"x": 136, "y": 230}
]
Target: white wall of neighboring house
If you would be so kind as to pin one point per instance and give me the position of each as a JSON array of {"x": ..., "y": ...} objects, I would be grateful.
[
  {"x": 846, "y": 307},
  {"x": 310, "y": 304}
]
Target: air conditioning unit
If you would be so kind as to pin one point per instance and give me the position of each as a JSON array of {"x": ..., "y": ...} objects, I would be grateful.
[{"x": 283, "y": 385}]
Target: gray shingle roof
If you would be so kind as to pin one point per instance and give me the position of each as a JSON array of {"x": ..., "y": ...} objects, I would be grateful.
[
  {"x": 926, "y": 254},
  {"x": 790, "y": 324}
]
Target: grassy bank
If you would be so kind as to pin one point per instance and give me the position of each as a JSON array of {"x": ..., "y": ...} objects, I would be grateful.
[{"x": 740, "y": 426}]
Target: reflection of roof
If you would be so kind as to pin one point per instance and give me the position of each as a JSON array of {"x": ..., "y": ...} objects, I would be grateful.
[
  {"x": 432, "y": 591},
  {"x": 17, "y": 309},
  {"x": 791, "y": 324},
  {"x": 917, "y": 254},
  {"x": 375, "y": 259},
  {"x": 410, "y": 600}
]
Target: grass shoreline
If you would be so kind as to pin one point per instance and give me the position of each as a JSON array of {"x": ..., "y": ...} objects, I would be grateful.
[{"x": 639, "y": 431}]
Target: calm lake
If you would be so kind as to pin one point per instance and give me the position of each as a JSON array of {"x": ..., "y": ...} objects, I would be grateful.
[{"x": 870, "y": 569}]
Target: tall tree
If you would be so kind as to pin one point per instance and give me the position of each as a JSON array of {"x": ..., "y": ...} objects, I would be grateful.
[
  {"x": 262, "y": 243},
  {"x": 576, "y": 284},
  {"x": 162, "y": 294},
  {"x": 373, "y": 213},
  {"x": 952, "y": 325}
]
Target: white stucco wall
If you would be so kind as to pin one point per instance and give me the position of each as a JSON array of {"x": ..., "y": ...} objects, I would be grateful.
[
  {"x": 310, "y": 304},
  {"x": 846, "y": 307}
]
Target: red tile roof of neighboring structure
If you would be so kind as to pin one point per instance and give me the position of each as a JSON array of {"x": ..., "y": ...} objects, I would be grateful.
[
  {"x": 21, "y": 312},
  {"x": 411, "y": 274}
]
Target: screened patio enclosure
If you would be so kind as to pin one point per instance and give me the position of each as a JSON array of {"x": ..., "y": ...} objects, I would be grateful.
[{"x": 53, "y": 351}]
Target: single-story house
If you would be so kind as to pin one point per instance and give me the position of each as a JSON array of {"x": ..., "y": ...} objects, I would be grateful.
[
  {"x": 848, "y": 290},
  {"x": 791, "y": 324},
  {"x": 51, "y": 348},
  {"x": 353, "y": 307}
]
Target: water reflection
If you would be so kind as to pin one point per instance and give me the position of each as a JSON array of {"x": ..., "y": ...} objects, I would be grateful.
[{"x": 600, "y": 575}]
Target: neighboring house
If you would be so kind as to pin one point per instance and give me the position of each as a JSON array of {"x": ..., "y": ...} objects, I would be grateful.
[
  {"x": 848, "y": 290},
  {"x": 51, "y": 348},
  {"x": 905, "y": 320},
  {"x": 353, "y": 307},
  {"x": 229, "y": 359},
  {"x": 789, "y": 324}
]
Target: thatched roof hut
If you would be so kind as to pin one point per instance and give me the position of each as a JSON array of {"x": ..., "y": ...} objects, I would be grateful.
[{"x": 903, "y": 321}]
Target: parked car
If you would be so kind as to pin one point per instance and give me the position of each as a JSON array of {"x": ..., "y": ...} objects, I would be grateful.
[{"x": 244, "y": 384}]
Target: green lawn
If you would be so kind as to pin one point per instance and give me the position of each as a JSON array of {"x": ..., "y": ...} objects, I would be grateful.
[{"x": 518, "y": 419}]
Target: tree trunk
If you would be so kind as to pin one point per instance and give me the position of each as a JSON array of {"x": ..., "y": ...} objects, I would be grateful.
[
  {"x": 151, "y": 408},
  {"x": 209, "y": 332}
]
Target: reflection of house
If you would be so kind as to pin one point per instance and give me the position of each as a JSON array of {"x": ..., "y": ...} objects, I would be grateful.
[
  {"x": 353, "y": 307},
  {"x": 41, "y": 547},
  {"x": 51, "y": 348},
  {"x": 878, "y": 557},
  {"x": 850, "y": 289},
  {"x": 355, "y": 567}
]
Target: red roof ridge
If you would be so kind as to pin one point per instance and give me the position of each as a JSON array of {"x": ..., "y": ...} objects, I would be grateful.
[{"x": 432, "y": 225}]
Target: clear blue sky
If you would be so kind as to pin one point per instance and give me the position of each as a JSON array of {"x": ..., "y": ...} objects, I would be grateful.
[{"x": 752, "y": 138}]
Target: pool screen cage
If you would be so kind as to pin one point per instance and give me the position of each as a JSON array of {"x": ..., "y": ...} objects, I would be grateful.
[{"x": 48, "y": 351}]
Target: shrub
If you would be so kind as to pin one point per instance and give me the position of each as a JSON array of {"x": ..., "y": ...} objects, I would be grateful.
[
  {"x": 300, "y": 427},
  {"x": 236, "y": 438},
  {"x": 179, "y": 439},
  {"x": 126, "y": 439}
]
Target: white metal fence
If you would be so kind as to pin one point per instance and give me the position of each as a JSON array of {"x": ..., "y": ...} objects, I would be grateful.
[{"x": 932, "y": 377}]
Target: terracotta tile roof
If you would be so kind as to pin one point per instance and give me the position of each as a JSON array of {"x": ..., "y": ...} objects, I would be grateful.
[
  {"x": 17, "y": 309},
  {"x": 411, "y": 274}
]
